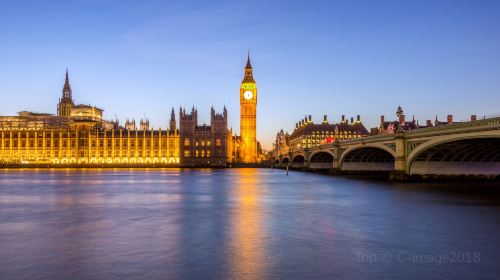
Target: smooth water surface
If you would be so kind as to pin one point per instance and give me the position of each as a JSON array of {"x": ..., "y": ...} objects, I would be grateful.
[{"x": 238, "y": 224}]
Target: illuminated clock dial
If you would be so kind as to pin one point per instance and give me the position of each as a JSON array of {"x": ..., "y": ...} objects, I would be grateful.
[{"x": 248, "y": 95}]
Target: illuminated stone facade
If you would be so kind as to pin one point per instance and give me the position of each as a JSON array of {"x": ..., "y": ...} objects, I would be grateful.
[
  {"x": 248, "y": 117},
  {"x": 308, "y": 134},
  {"x": 86, "y": 143},
  {"x": 78, "y": 135},
  {"x": 204, "y": 145}
]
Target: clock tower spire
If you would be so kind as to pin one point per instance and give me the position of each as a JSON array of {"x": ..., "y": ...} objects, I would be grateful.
[{"x": 248, "y": 116}]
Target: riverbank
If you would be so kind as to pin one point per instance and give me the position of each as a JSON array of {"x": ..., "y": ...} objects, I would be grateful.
[{"x": 113, "y": 166}]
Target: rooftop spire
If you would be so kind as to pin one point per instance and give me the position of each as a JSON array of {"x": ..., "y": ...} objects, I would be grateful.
[
  {"x": 67, "y": 88},
  {"x": 248, "y": 60},
  {"x": 399, "y": 112},
  {"x": 248, "y": 71}
]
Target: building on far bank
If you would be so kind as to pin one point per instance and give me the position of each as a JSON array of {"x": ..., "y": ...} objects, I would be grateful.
[
  {"x": 308, "y": 134},
  {"x": 204, "y": 145},
  {"x": 80, "y": 135},
  {"x": 280, "y": 145},
  {"x": 401, "y": 123}
]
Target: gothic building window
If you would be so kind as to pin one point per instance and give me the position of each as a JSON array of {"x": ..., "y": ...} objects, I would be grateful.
[{"x": 186, "y": 142}]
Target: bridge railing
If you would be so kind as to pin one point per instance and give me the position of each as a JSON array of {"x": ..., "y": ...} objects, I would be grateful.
[
  {"x": 367, "y": 139},
  {"x": 482, "y": 124}
]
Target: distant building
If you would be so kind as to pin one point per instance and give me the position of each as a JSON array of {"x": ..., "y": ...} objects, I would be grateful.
[
  {"x": 204, "y": 145},
  {"x": 308, "y": 134},
  {"x": 402, "y": 124},
  {"x": 281, "y": 145},
  {"x": 80, "y": 135},
  {"x": 399, "y": 124}
]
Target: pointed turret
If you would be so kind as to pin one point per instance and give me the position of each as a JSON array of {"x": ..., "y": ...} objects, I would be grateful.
[
  {"x": 248, "y": 78},
  {"x": 399, "y": 112},
  {"x": 67, "y": 94},
  {"x": 249, "y": 66},
  {"x": 66, "y": 102},
  {"x": 173, "y": 123}
]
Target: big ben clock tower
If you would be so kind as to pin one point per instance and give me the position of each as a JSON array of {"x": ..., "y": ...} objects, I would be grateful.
[{"x": 248, "y": 116}]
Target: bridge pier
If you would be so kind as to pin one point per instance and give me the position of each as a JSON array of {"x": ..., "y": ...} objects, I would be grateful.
[
  {"x": 307, "y": 154},
  {"x": 336, "y": 159},
  {"x": 400, "y": 172}
]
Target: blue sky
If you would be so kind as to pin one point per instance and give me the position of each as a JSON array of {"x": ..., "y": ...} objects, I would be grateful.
[{"x": 140, "y": 58}]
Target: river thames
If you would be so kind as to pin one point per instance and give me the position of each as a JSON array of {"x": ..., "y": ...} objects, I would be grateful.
[{"x": 239, "y": 224}]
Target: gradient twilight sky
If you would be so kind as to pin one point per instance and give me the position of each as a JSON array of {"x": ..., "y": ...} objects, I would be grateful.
[{"x": 141, "y": 58}]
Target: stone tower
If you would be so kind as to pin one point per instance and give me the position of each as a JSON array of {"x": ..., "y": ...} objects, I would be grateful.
[
  {"x": 173, "y": 123},
  {"x": 144, "y": 124},
  {"x": 248, "y": 116}
]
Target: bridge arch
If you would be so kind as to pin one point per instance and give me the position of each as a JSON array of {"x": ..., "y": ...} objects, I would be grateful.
[
  {"x": 368, "y": 158},
  {"x": 321, "y": 160},
  {"x": 457, "y": 155},
  {"x": 298, "y": 160},
  {"x": 285, "y": 161}
]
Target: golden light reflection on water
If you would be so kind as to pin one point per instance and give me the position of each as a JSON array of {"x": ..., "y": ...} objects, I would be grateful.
[{"x": 247, "y": 242}]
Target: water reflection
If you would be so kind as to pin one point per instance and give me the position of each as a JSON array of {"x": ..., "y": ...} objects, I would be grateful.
[
  {"x": 234, "y": 224},
  {"x": 247, "y": 239}
]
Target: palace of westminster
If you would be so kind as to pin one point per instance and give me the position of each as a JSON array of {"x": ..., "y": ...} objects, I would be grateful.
[{"x": 78, "y": 135}]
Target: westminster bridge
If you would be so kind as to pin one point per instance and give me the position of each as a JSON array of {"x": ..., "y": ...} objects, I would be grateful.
[{"x": 468, "y": 148}]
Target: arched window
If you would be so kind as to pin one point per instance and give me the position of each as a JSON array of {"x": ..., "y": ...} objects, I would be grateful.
[{"x": 187, "y": 142}]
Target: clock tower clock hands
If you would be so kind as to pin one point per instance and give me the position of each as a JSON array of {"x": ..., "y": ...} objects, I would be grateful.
[{"x": 248, "y": 95}]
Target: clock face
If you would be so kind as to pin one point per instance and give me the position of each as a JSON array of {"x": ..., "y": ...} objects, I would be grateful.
[{"x": 248, "y": 95}]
